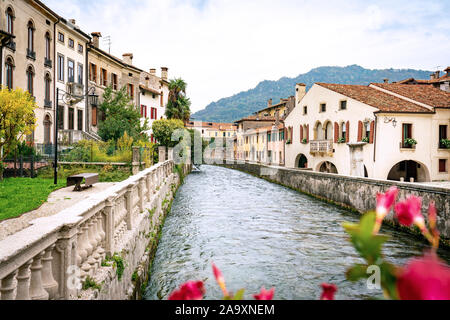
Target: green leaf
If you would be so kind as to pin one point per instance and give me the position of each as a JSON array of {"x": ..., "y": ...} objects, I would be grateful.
[
  {"x": 239, "y": 295},
  {"x": 357, "y": 272}
]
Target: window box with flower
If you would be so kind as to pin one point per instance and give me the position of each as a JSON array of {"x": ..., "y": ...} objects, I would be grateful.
[
  {"x": 445, "y": 144},
  {"x": 342, "y": 140},
  {"x": 304, "y": 141},
  {"x": 410, "y": 143}
]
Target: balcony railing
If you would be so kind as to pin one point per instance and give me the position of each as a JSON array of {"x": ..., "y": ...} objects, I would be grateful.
[
  {"x": 322, "y": 146},
  {"x": 48, "y": 63},
  {"x": 47, "y": 103},
  {"x": 31, "y": 54},
  {"x": 11, "y": 45}
]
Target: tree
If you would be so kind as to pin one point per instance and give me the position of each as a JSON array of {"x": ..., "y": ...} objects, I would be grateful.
[
  {"x": 163, "y": 130},
  {"x": 179, "y": 105},
  {"x": 17, "y": 119},
  {"x": 120, "y": 116}
]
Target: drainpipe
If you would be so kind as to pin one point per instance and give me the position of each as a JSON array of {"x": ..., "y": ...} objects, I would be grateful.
[{"x": 55, "y": 66}]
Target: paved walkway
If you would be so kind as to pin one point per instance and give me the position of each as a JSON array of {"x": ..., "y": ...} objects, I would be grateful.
[{"x": 57, "y": 201}]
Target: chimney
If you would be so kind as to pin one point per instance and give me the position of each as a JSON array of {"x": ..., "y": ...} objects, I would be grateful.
[
  {"x": 73, "y": 21},
  {"x": 128, "y": 58},
  {"x": 153, "y": 72},
  {"x": 432, "y": 76},
  {"x": 164, "y": 73},
  {"x": 386, "y": 80},
  {"x": 269, "y": 103},
  {"x": 437, "y": 74},
  {"x": 96, "y": 38},
  {"x": 147, "y": 82},
  {"x": 300, "y": 92}
]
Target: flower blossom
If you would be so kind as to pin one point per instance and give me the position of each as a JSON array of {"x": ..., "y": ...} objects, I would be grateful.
[
  {"x": 409, "y": 212},
  {"x": 192, "y": 290},
  {"x": 265, "y": 294},
  {"x": 329, "y": 291},
  {"x": 425, "y": 278},
  {"x": 220, "y": 280},
  {"x": 384, "y": 204}
]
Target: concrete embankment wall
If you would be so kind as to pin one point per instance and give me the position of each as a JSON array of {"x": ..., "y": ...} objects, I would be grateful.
[
  {"x": 100, "y": 248},
  {"x": 352, "y": 192}
]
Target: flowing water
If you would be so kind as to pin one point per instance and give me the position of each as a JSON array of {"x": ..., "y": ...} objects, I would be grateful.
[{"x": 260, "y": 234}]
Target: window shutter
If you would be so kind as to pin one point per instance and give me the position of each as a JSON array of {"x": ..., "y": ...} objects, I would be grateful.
[
  {"x": 156, "y": 114},
  {"x": 307, "y": 133},
  {"x": 360, "y": 131},
  {"x": 94, "y": 116},
  {"x": 347, "y": 134},
  {"x": 301, "y": 133},
  {"x": 336, "y": 132},
  {"x": 372, "y": 131}
]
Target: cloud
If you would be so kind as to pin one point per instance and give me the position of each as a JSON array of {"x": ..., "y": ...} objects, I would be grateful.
[{"x": 221, "y": 47}]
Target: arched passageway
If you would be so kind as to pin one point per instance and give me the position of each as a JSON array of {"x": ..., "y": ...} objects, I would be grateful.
[
  {"x": 408, "y": 170},
  {"x": 328, "y": 167},
  {"x": 301, "y": 161}
]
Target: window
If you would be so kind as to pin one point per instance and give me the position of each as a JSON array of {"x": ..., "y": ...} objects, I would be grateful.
[
  {"x": 80, "y": 120},
  {"x": 61, "y": 37},
  {"x": 406, "y": 134},
  {"x": 442, "y": 165},
  {"x": 71, "y": 118},
  {"x": 103, "y": 77},
  {"x": 30, "y": 37},
  {"x": 367, "y": 130},
  {"x": 61, "y": 117},
  {"x": 114, "y": 81},
  {"x": 60, "y": 68},
  {"x": 343, "y": 105},
  {"x": 9, "y": 73},
  {"x": 269, "y": 137},
  {"x": 442, "y": 136},
  {"x": 30, "y": 76},
  {"x": 305, "y": 110},
  {"x": 93, "y": 73},
  {"x": 144, "y": 111},
  {"x": 71, "y": 43},
  {"x": 10, "y": 21},
  {"x": 80, "y": 48},
  {"x": 70, "y": 70},
  {"x": 344, "y": 131},
  {"x": 47, "y": 46},
  {"x": 323, "y": 107},
  {"x": 130, "y": 91},
  {"x": 80, "y": 73},
  {"x": 48, "y": 85}
]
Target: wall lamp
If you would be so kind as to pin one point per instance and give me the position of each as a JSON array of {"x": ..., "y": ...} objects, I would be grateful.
[{"x": 393, "y": 120}]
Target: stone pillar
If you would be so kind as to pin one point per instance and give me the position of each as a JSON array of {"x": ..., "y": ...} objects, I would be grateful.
[
  {"x": 141, "y": 187},
  {"x": 136, "y": 161},
  {"x": 129, "y": 199},
  {"x": 109, "y": 237},
  {"x": 162, "y": 154},
  {"x": 356, "y": 158},
  {"x": 170, "y": 154}
]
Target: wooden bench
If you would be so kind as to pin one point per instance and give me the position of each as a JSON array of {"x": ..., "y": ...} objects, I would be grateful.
[{"x": 76, "y": 180}]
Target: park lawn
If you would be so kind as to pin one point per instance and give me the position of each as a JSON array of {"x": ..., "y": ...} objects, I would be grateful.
[{"x": 21, "y": 195}]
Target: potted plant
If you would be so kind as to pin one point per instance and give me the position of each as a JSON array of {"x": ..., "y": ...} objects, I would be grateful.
[
  {"x": 342, "y": 140},
  {"x": 288, "y": 141},
  {"x": 366, "y": 140},
  {"x": 445, "y": 143},
  {"x": 410, "y": 142},
  {"x": 304, "y": 141}
]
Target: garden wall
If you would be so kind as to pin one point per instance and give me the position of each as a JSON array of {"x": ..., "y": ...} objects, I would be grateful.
[{"x": 352, "y": 192}]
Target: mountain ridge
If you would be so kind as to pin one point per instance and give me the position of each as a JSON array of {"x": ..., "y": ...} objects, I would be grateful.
[{"x": 244, "y": 103}]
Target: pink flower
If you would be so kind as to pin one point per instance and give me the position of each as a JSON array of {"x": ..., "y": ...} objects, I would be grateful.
[
  {"x": 265, "y": 294},
  {"x": 220, "y": 279},
  {"x": 410, "y": 212},
  {"x": 328, "y": 291},
  {"x": 384, "y": 205},
  {"x": 432, "y": 215},
  {"x": 425, "y": 278},
  {"x": 192, "y": 290}
]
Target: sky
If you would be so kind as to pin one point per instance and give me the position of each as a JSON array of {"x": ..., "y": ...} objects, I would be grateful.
[{"x": 223, "y": 47}]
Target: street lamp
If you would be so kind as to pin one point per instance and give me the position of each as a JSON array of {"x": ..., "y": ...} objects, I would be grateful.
[{"x": 68, "y": 98}]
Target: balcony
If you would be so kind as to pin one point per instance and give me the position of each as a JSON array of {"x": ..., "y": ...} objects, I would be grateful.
[
  {"x": 31, "y": 54},
  {"x": 47, "y": 103},
  {"x": 11, "y": 45},
  {"x": 48, "y": 63},
  {"x": 322, "y": 147}
]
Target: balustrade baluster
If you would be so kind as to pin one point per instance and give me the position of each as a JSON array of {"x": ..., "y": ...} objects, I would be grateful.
[
  {"x": 49, "y": 283},
  {"x": 129, "y": 212},
  {"x": 8, "y": 286},
  {"x": 141, "y": 194},
  {"x": 23, "y": 282},
  {"x": 149, "y": 187},
  {"x": 86, "y": 241},
  {"x": 81, "y": 248},
  {"x": 91, "y": 236},
  {"x": 37, "y": 291}
]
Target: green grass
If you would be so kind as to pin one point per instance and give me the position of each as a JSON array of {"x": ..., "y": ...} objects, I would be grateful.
[
  {"x": 21, "y": 195},
  {"x": 111, "y": 174}
]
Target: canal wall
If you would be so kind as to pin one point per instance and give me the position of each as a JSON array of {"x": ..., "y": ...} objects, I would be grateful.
[
  {"x": 100, "y": 249},
  {"x": 352, "y": 192}
]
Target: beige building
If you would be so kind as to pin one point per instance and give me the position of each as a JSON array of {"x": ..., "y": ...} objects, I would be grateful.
[
  {"x": 371, "y": 131},
  {"x": 27, "y": 62}
]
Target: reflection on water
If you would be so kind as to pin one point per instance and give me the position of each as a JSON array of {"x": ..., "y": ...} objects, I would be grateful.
[{"x": 260, "y": 234}]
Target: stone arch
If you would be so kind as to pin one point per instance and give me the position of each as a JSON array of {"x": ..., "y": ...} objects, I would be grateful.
[
  {"x": 408, "y": 169},
  {"x": 327, "y": 167},
  {"x": 328, "y": 130},
  {"x": 318, "y": 131},
  {"x": 301, "y": 161},
  {"x": 10, "y": 59}
]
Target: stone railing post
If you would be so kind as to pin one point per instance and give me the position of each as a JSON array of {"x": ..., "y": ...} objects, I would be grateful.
[
  {"x": 148, "y": 180},
  {"x": 136, "y": 161},
  {"x": 68, "y": 248},
  {"x": 169, "y": 153},
  {"x": 49, "y": 283},
  {"x": 7, "y": 286},
  {"x": 129, "y": 199},
  {"x": 141, "y": 187},
  {"x": 110, "y": 226},
  {"x": 37, "y": 291},
  {"x": 162, "y": 154}
]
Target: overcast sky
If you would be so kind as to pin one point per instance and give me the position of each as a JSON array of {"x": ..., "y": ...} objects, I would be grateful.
[{"x": 222, "y": 47}]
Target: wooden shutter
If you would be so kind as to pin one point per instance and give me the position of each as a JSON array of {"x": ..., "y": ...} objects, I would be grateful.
[
  {"x": 156, "y": 114},
  {"x": 347, "y": 133},
  {"x": 336, "y": 132},
  {"x": 301, "y": 133},
  {"x": 94, "y": 116},
  {"x": 372, "y": 131},
  {"x": 307, "y": 133},
  {"x": 360, "y": 130}
]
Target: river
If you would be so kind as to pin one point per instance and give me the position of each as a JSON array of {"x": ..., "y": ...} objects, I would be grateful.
[{"x": 261, "y": 234}]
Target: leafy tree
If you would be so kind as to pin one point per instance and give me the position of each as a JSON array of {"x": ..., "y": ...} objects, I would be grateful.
[
  {"x": 163, "y": 130},
  {"x": 120, "y": 116},
  {"x": 179, "y": 105},
  {"x": 17, "y": 119}
]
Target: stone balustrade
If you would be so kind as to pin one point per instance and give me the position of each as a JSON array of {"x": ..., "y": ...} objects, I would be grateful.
[{"x": 45, "y": 260}]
